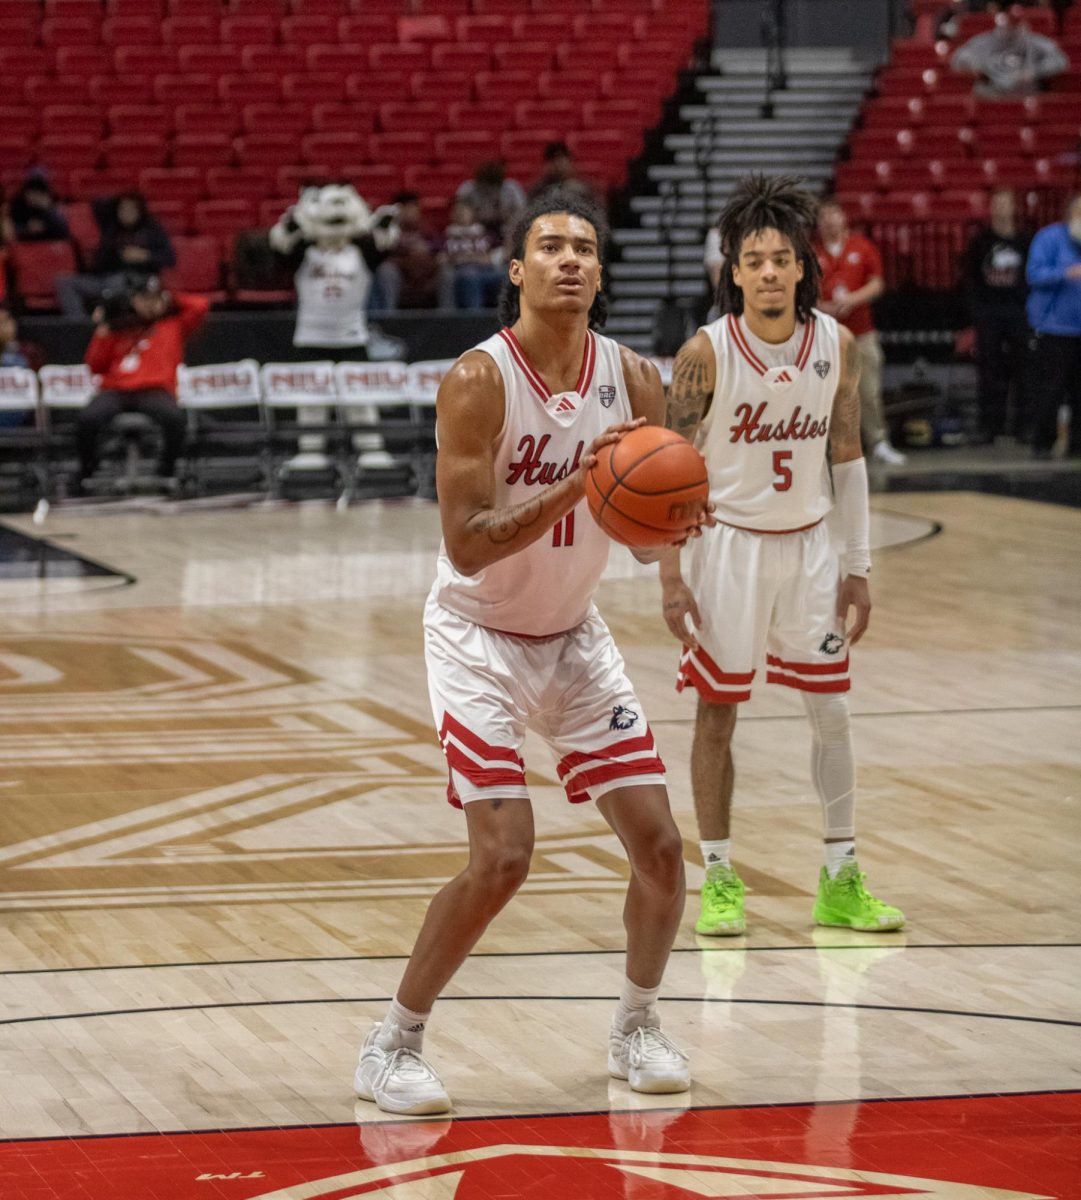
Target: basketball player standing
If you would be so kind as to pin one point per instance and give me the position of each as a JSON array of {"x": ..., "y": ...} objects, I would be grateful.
[
  {"x": 769, "y": 393},
  {"x": 512, "y": 639}
]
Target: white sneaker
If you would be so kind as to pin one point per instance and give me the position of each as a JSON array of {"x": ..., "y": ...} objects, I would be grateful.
[
  {"x": 399, "y": 1081},
  {"x": 647, "y": 1060},
  {"x": 883, "y": 452}
]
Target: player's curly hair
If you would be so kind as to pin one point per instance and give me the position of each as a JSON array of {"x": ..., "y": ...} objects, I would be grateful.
[
  {"x": 761, "y": 202},
  {"x": 555, "y": 200}
]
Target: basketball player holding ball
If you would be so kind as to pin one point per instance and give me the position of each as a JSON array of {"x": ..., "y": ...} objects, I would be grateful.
[
  {"x": 769, "y": 394},
  {"x": 512, "y": 639}
]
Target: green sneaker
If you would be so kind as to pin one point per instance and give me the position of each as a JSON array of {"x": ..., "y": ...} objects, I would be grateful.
[
  {"x": 845, "y": 901},
  {"x": 722, "y": 903}
]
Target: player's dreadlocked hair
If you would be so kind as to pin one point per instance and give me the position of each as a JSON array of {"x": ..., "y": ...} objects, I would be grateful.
[
  {"x": 556, "y": 200},
  {"x": 762, "y": 202}
]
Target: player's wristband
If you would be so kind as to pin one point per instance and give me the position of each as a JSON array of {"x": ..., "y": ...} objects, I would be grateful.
[{"x": 851, "y": 495}]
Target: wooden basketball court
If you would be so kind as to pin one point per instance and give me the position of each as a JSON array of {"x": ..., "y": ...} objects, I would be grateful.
[{"x": 223, "y": 814}]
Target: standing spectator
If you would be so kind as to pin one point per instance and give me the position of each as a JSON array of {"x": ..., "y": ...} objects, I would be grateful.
[
  {"x": 136, "y": 348},
  {"x": 131, "y": 241},
  {"x": 1009, "y": 60},
  {"x": 1054, "y": 312},
  {"x": 496, "y": 200},
  {"x": 994, "y": 272},
  {"x": 412, "y": 275},
  {"x": 474, "y": 275},
  {"x": 851, "y": 279},
  {"x": 35, "y": 212},
  {"x": 560, "y": 173}
]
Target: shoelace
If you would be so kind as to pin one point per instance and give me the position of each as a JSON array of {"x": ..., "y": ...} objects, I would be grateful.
[
  {"x": 852, "y": 879},
  {"x": 407, "y": 1065},
  {"x": 725, "y": 888},
  {"x": 648, "y": 1044}
]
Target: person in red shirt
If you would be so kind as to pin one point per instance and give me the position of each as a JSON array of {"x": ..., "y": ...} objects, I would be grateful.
[
  {"x": 851, "y": 279},
  {"x": 136, "y": 348}
]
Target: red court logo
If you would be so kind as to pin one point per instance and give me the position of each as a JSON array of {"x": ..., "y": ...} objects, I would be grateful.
[{"x": 581, "y": 1172}]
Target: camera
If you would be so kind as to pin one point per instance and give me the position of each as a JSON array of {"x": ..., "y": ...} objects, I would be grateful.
[{"x": 118, "y": 294}]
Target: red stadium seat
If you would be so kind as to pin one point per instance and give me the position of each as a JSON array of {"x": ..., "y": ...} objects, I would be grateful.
[
  {"x": 135, "y": 8},
  {"x": 335, "y": 149},
  {"x": 268, "y": 148},
  {"x": 181, "y": 89},
  {"x": 495, "y": 27},
  {"x": 175, "y": 215},
  {"x": 278, "y": 59},
  {"x": 469, "y": 57},
  {"x": 522, "y": 56},
  {"x": 403, "y": 58},
  {"x": 526, "y": 143},
  {"x": 336, "y": 60},
  {"x": 291, "y": 119},
  {"x": 506, "y": 87},
  {"x": 446, "y": 87},
  {"x": 19, "y": 121},
  {"x": 312, "y": 88},
  {"x": 22, "y": 62},
  {"x": 69, "y": 150},
  {"x": 82, "y": 29},
  {"x": 68, "y": 119},
  {"x": 135, "y": 150},
  {"x": 84, "y": 229},
  {"x": 550, "y": 27},
  {"x": 528, "y": 114},
  {"x": 270, "y": 210},
  {"x": 107, "y": 91},
  {"x": 309, "y": 29},
  {"x": 467, "y": 146},
  {"x": 248, "y": 31},
  {"x": 198, "y": 266},
  {"x": 145, "y": 62},
  {"x": 223, "y": 219},
  {"x": 256, "y": 8},
  {"x": 195, "y": 30},
  {"x": 367, "y": 29},
  {"x": 581, "y": 88},
  {"x": 238, "y": 183},
  {"x": 206, "y": 118},
  {"x": 87, "y": 183},
  {"x": 138, "y": 118},
  {"x": 209, "y": 60},
  {"x": 489, "y": 117},
  {"x": 172, "y": 183},
  {"x": 440, "y": 181},
  {"x": 342, "y": 118},
  {"x": 632, "y": 113},
  {"x": 612, "y": 147},
  {"x": 399, "y": 149},
  {"x": 202, "y": 150},
  {"x": 131, "y": 31},
  {"x": 34, "y": 267},
  {"x": 47, "y": 90},
  {"x": 252, "y": 88},
  {"x": 412, "y": 117},
  {"x": 79, "y": 60},
  {"x": 289, "y": 180},
  {"x": 377, "y": 183}
]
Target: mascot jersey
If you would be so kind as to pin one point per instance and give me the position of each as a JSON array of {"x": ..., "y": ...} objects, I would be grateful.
[{"x": 332, "y": 297}]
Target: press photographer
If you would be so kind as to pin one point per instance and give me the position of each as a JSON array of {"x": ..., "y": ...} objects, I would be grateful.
[{"x": 136, "y": 348}]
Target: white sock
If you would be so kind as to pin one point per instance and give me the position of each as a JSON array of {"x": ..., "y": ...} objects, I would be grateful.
[
  {"x": 716, "y": 852},
  {"x": 637, "y": 1006},
  {"x": 837, "y": 855},
  {"x": 402, "y": 1027}
]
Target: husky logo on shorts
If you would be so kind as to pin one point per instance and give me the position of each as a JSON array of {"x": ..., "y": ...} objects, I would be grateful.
[
  {"x": 622, "y": 718},
  {"x": 831, "y": 644},
  {"x": 607, "y": 394},
  {"x": 822, "y": 368}
]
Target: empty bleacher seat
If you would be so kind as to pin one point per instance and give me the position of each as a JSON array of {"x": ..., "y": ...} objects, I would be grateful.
[{"x": 34, "y": 267}]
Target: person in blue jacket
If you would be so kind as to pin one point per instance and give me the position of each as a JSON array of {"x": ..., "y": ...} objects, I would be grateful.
[{"x": 1054, "y": 312}]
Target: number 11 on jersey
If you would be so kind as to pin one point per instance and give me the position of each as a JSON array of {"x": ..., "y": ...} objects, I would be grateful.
[{"x": 563, "y": 530}]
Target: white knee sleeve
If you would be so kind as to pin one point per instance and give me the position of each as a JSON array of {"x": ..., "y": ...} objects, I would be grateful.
[{"x": 833, "y": 763}]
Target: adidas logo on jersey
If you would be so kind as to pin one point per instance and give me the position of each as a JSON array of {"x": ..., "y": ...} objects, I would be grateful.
[
  {"x": 566, "y": 404},
  {"x": 780, "y": 377}
]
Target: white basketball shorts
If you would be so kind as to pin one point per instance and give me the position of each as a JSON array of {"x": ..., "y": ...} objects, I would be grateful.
[
  {"x": 764, "y": 595},
  {"x": 487, "y": 688}
]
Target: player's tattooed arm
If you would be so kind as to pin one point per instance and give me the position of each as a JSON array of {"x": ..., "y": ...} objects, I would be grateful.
[
  {"x": 694, "y": 380},
  {"x": 502, "y": 524},
  {"x": 845, "y": 420}
]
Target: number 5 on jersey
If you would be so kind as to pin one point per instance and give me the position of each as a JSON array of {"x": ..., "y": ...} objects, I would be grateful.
[{"x": 781, "y": 470}]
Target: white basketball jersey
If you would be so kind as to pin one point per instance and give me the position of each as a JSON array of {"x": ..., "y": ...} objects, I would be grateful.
[
  {"x": 332, "y": 298},
  {"x": 766, "y": 433},
  {"x": 547, "y": 587}
]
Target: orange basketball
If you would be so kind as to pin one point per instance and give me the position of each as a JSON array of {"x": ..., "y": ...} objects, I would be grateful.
[{"x": 647, "y": 487}]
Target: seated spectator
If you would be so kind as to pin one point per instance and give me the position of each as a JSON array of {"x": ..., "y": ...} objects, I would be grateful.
[
  {"x": 1009, "y": 60},
  {"x": 473, "y": 259},
  {"x": 16, "y": 353},
  {"x": 712, "y": 262},
  {"x": 559, "y": 172},
  {"x": 35, "y": 212},
  {"x": 495, "y": 199},
  {"x": 136, "y": 348},
  {"x": 131, "y": 240},
  {"x": 412, "y": 274}
]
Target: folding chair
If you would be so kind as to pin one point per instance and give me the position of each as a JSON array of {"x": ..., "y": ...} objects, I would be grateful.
[
  {"x": 299, "y": 400},
  {"x": 22, "y": 441},
  {"x": 227, "y": 433},
  {"x": 374, "y": 410}
]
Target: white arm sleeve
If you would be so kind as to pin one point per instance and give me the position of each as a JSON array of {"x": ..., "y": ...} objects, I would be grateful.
[{"x": 853, "y": 507}]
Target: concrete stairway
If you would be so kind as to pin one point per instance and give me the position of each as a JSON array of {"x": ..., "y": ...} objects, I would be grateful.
[{"x": 722, "y": 136}]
